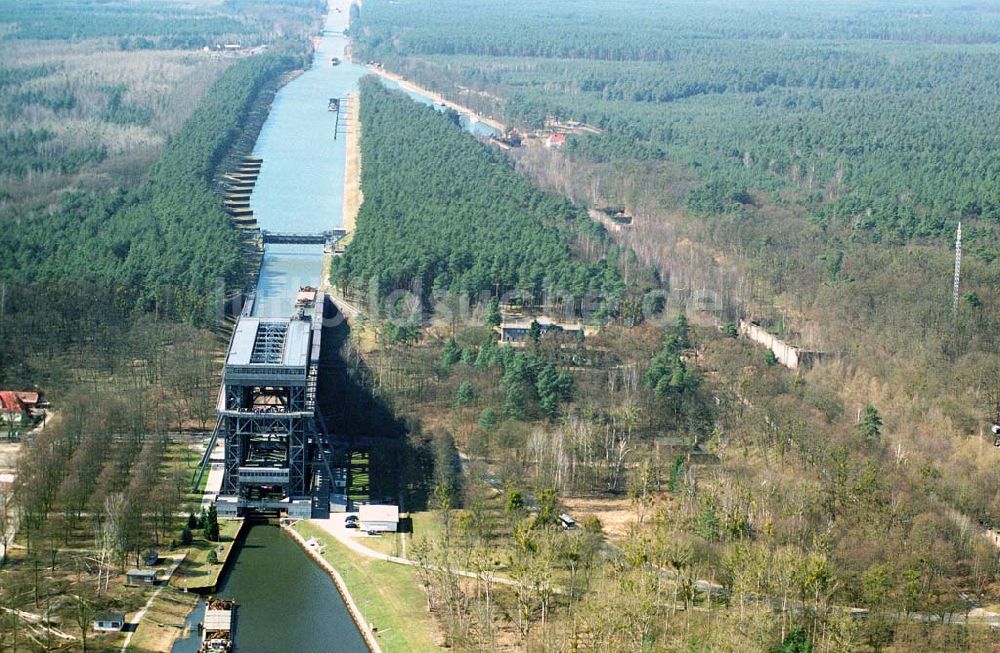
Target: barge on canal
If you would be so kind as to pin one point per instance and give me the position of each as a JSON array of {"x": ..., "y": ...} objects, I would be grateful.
[{"x": 217, "y": 630}]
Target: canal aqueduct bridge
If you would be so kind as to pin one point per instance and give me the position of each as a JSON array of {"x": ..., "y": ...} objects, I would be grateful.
[{"x": 284, "y": 238}]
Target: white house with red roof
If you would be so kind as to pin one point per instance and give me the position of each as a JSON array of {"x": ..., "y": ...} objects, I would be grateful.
[{"x": 555, "y": 140}]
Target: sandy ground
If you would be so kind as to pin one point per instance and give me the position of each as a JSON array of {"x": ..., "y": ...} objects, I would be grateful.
[
  {"x": 352, "y": 183},
  {"x": 615, "y": 514},
  {"x": 352, "y": 166},
  {"x": 436, "y": 97},
  {"x": 10, "y": 449},
  {"x": 352, "y": 199}
]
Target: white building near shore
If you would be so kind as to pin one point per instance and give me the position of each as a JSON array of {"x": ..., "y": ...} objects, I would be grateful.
[{"x": 379, "y": 519}]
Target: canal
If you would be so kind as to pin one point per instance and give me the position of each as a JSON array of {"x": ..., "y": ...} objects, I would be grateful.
[
  {"x": 301, "y": 182},
  {"x": 285, "y": 602},
  {"x": 471, "y": 125}
]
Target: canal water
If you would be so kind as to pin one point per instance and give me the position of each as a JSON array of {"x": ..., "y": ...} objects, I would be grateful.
[
  {"x": 300, "y": 187},
  {"x": 301, "y": 183},
  {"x": 285, "y": 602}
]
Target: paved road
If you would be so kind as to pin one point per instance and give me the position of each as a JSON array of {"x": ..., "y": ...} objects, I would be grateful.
[
  {"x": 214, "y": 485},
  {"x": 12, "y": 524}
]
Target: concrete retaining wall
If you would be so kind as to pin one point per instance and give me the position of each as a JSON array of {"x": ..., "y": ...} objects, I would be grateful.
[{"x": 789, "y": 356}]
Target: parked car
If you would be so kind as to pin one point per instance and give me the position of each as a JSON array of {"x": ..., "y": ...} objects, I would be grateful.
[{"x": 351, "y": 521}]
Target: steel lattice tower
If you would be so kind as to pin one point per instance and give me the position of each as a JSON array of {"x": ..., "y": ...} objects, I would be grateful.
[{"x": 956, "y": 282}]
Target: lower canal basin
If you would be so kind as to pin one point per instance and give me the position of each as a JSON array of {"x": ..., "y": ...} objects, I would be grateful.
[{"x": 284, "y": 602}]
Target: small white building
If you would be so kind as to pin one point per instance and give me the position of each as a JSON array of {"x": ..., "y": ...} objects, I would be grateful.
[
  {"x": 379, "y": 519},
  {"x": 108, "y": 621}
]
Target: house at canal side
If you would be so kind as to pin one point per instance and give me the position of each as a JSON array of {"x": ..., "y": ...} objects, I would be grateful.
[
  {"x": 555, "y": 140},
  {"x": 16, "y": 409},
  {"x": 108, "y": 621}
]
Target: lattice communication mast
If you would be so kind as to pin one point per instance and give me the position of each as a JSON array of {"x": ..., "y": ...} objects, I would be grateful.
[{"x": 958, "y": 271}]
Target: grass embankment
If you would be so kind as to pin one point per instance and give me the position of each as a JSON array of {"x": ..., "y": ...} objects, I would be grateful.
[
  {"x": 163, "y": 622},
  {"x": 196, "y": 573},
  {"x": 425, "y": 525},
  {"x": 389, "y": 543},
  {"x": 388, "y": 595}
]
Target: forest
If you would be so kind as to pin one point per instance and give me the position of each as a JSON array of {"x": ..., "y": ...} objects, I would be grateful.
[
  {"x": 93, "y": 108},
  {"x": 690, "y": 459},
  {"x": 803, "y": 166},
  {"x": 167, "y": 245},
  {"x": 457, "y": 218},
  {"x": 109, "y": 165},
  {"x": 807, "y": 166},
  {"x": 877, "y": 116},
  {"x": 638, "y": 31},
  {"x": 730, "y": 473},
  {"x": 153, "y": 25}
]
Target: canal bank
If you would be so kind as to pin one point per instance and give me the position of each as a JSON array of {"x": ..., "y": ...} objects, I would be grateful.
[
  {"x": 284, "y": 601},
  {"x": 390, "y": 596},
  {"x": 474, "y": 123},
  {"x": 313, "y": 549}
]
